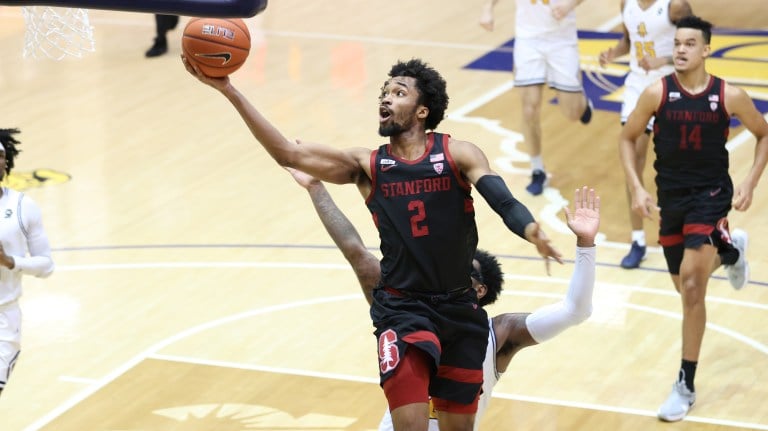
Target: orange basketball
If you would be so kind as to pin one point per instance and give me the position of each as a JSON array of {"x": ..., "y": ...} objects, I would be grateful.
[{"x": 218, "y": 46}]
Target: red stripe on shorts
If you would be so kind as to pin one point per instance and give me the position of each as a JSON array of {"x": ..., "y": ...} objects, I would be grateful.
[
  {"x": 698, "y": 229},
  {"x": 457, "y": 374},
  {"x": 421, "y": 336},
  {"x": 670, "y": 240}
]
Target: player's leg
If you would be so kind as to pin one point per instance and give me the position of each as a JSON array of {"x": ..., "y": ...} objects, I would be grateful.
[
  {"x": 671, "y": 238},
  {"x": 408, "y": 355},
  {"x": 163, "y": 24},
  {"x": 456, "y": 388},
  {"x": 695, "y": 270},
  {"x": 530, "y": 77},
  {"x": 455, "y": 421},
  {"x": 10, "y": 341},
  {"x": 407, "y": 391},
  {"x": 564, "y": 75},
  {"x": 702, "y": 240}
]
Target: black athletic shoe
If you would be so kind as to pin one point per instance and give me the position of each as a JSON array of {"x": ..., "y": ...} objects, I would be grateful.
[
  {"x": 158, "y": 48},
  {"x": 586, "y": 117}
]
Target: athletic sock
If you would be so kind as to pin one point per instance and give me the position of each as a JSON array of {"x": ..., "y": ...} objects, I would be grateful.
[
  {"x": 537, "y": 164},
  {"x": 729, "y": 256},
  {"x": 638, "y": 236},
  {"x": 687, "y": 373}
]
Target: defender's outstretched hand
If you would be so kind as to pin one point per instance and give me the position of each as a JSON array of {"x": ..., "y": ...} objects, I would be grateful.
[{"x": 584, "y": 219}]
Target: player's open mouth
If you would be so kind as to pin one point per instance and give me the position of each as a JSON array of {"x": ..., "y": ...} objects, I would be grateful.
[
  {"x": 680, "y": 60},
  {"x": 384, "y": 114}
]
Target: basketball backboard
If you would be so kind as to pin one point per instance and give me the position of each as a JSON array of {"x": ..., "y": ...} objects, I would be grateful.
[{"x": 201, "y": 8}]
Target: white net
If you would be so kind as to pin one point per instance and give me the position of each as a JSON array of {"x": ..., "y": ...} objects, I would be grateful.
[{"x": 56, "y": 32}]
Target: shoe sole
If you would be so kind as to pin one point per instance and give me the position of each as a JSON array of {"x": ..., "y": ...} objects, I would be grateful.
[
  {"x": 674, "y": 418},
  {"x": 671, "y": 419},
  {"x": 632, "y": 267}
]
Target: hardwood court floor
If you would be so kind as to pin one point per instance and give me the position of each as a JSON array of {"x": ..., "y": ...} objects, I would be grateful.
[{"x": 195, "y": 288}]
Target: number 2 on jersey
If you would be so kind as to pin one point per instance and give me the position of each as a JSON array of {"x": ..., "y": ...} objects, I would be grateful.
[{"x": 420, "y": 216}]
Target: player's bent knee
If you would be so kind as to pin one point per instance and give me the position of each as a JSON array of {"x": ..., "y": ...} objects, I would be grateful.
[{"x": 443, "y": 406}]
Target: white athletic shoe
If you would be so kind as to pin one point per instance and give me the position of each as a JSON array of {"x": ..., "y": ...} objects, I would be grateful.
[
  {"x": 678, "y": 403},
  {"x": 738, "y": 273}
]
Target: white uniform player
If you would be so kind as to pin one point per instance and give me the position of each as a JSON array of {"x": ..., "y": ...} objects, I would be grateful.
[
  {"x": 24, "y": 249},
  {"x": 651, "y": 33},
  {"x": 546, "y": 49},
  {"x": 546, "y": 54}
]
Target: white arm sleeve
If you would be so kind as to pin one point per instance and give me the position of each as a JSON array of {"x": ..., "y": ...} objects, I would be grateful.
[
  {"x": 551, "y": 320},
  {"x": 39, "y": 263}
]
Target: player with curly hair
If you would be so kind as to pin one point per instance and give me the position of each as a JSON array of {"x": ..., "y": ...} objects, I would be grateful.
[
  {"x": 432, "y": 335},
  {"x": 24, "y": 249}
]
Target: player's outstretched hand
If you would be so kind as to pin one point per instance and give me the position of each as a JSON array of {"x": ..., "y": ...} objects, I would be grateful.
[
  {"x": 217, "y": 83},
  {"x": 304, "y": 179},
  {"x": 584, "y": 219},
  {"x": 534, "y": 234}
]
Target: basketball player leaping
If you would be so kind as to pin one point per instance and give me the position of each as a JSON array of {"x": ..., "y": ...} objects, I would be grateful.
[
  {"x": 432, "y": 335},
  {"x": 695, "y": 193},
  {"x": 509, "y": 332}
]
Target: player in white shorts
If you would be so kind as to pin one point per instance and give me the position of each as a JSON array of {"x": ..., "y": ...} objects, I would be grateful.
[
  {"x": 649, "y": 33},
  {"x": 24, "y": 249},
  {"x": 509, "y": 332},
  {"x": 546, "y": 53}
]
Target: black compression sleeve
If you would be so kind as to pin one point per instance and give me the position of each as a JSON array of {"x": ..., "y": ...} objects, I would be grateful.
[{"x": 515, "y": 215}]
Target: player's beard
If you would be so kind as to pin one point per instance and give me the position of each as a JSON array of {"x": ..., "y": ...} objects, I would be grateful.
[{"x": 394, "y": 128}]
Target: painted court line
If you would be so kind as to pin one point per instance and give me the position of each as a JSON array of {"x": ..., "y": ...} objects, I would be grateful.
[{"x": 152, "y": 352}]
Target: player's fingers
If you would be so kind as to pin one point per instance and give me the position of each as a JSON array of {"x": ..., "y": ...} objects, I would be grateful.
[
  {"x": 567, "y": 213},
  {"x": 578, "y": 199}
]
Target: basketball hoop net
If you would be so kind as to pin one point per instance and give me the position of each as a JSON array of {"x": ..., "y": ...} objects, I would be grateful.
[{"x": 55, "y": 32}]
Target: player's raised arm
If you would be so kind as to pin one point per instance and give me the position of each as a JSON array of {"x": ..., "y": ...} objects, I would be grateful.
[
  {"x": 474, "y": 165},
  {"x": 520, "y": 330},
  {"x": 323, "y": 162},
  {"x": 342, "y": 232}
]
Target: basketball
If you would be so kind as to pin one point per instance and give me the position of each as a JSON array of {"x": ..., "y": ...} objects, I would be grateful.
[{"x": 217, "y": 46}]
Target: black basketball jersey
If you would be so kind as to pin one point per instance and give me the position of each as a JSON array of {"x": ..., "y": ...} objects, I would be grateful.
[
  {"x": 690, "y": 133},
  {"x": 426, "y": 219}
]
